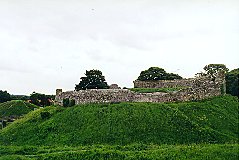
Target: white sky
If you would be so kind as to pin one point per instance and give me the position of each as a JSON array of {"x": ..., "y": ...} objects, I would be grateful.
[{"x": 48, "y": 44}]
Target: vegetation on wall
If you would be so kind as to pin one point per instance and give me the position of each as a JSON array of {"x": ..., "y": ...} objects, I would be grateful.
[
  {"x": 93, "y": 80},
  {"x": 156, "y": 73},
  {"x": 68, "y": 102}
]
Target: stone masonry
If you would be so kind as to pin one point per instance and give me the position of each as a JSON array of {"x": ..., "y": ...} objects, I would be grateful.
[{"x": 194, "y": 89}]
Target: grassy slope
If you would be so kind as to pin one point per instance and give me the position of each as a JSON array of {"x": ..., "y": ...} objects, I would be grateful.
[
  {"x": 210, "y": 121},
  {"x": 15, "y": 108}
]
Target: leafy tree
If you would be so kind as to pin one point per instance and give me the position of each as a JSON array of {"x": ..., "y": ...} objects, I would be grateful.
[
  {"x": 172, "y": 76},
  {"x": 20, "y": 97},
  {"x": 4, "y": 96},
  {"x": 41, "y": 99},
  {"x": 232, "y": 82},
  {"x": 214, "y": 69},
  {"x": 156, "y": 73},
  {"x": 93, "y": 80}
]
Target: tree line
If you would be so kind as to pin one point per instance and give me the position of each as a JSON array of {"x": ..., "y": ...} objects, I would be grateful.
[
  {"x": 94, "y": 79},
  {"x": 38, "y": 99}
]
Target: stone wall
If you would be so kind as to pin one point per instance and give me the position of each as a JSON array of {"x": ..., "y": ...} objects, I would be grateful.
[
  {"x": 96, "y": 96},
  {"x": 191, "y": 82},
  {"x": 165, "y": 83},
  {"x": 197, "y": 89},
  {"x": 200, "y": 88}
]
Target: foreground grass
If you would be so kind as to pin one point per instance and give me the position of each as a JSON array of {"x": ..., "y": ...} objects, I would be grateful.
[{"x": 129, "y": 152}]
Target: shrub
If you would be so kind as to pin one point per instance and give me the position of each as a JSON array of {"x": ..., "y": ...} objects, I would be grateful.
[
  {"x": 45, "y": 115},
  {"x": 68, "y": 102},
  {"x": 72, "y": 103}
]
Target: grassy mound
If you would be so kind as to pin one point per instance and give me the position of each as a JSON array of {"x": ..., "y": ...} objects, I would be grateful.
[
  {"x": 116, "y": 152},
  {"x": 210, "y": 121},
  {"x": 15, "y": 108}
]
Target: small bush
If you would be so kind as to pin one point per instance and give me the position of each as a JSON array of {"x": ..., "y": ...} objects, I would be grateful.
[
  {"x": 45, "y": 115},
  {"x": 72, "y": 103},
  {"x": 68, "y": 102}
]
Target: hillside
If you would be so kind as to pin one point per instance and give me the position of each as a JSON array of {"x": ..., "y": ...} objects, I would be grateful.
[
  {"x": 15, "y": 108},
  {"x": 210, "y": 121}
]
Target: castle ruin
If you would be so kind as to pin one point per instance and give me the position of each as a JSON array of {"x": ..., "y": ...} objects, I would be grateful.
[{"x": 192, "y": 89}]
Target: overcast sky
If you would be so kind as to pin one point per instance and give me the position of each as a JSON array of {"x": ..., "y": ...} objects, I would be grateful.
[{"x": 49, "y": 44}]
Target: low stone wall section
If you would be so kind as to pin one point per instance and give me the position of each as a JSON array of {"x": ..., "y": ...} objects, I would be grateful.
[{"x": 96, "y": 96}]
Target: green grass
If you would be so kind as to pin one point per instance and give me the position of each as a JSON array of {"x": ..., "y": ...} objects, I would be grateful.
[
  {"x": 152, "y": 90},
  {"x": 118, "y": 152},
  {"x": 210, "y": 121},
  {"x": 15, "y": 108}
]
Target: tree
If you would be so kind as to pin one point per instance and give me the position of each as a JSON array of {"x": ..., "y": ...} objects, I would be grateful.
[
  {"x": 4, "y": 96},
  {"x": 41, "y": 99},
  {"x": 20, "y": 97},
  {"x": 232, "y": 82},
  {"x": 156, "y": 73},
  {"x": 93, "y": 80},
  {"x": 213, "y": 70},
  {"x": 172, "y": 76}
]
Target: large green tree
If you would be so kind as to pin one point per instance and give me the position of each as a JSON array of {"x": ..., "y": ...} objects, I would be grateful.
[
  {"x": 41, "y": 99},
  {"x": 4, "y": 96},
  {"x": 213, "y": 70},
  {"x": 156, "y": 73},
  {"x": 232, "y": 82},
  {"x": 93, "y": 80}
]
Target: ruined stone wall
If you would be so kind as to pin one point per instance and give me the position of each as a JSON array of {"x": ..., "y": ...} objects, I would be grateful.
[
  {"x": 96, "y": 96},
  {"x": 165, "y": 83},
  {"x": 197, "y": 89}
]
